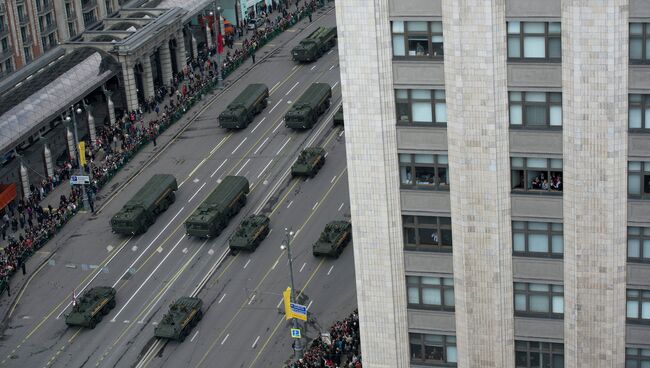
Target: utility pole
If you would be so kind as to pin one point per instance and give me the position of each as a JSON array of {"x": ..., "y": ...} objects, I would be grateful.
[
  {"x": 297, "y": 345},
  {"x": 74, "y": 113}
]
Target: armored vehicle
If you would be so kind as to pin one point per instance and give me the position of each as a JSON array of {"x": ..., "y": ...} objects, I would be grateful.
[
  {"x": 243, "y": 109},
  {"x": 250, "y": 233},
  {"x": 183, "y": 315},
  {"x": 224, "y": 202},
  {"x": 333, "y": 239},
  {"x": 338, "y": 117},
  {"x": 141, "y": 211},
  {"x": 305, "y": 111},
  {"x": 309, "y": 162},
  {"x": 315, "y": 45},
  {"x": 91, "y": 307}
]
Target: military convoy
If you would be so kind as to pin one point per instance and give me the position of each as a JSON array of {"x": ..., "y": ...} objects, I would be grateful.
[
  {"x": 183, "y": 315},
  {"x": 250, "y": 233},
  {"x": 315, "y": 45},
  {"x": 225, "y": 201},
  {"x": 306, "y": 110},
  {"x": 338, "y": 117},
  {"x": 333, "y": 239},
  {"x": 141, "y": 211},
  {"x": 309, "y": 162},
  {"x": 243, "y": 109},
  {"x": 91, "y": 307}
]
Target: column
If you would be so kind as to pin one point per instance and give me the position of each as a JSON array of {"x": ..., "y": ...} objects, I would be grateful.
[
  {"x": 109, "y": 104},
  {"x": 479, "y": 167},
  {"x": 595, "y": 144},
  {"x": 195, "y": 49},
  {"x": 101, "y": 9},
  {"x": 72, "y": 151},
  {"x": 129, "y": 87},
  {"x": 166, "y": 62},
  {"x": 80, "y": 16},
  {"x": 208, "y": 36},
  {"x": 91, "y": 126},
  {"x": 147, "y": 77},
  {"x": 180, "y": 50},
  {"x": 61, "y": 21},
  {"x": 49, "y": 168},
  {"x": 24, "y": 178},
  {"x": 371, "y": 143}
]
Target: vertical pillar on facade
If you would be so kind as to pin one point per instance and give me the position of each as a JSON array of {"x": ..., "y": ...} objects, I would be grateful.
[
  {"x": 91, "y": 126},
  {"x": 180, "y": 50},
  {"x": 147, "y": 77},
  {"x": 195, "y": 47},
  {"x": 24, "y": 179},
  {"x": 47, "y": 155},
  {"x": 109, "y": 104},
  {"x": 61, "y": 21},
  {"x": 208, "y": 36},
  {"x": 166, "y": 62},
  {"x": 71, "y": 148},
  {"x": 479, "y": 166},
  {"x": 101, "y": 9},
  {"x": 80, "y": 18},
  {"x": 130, "y": 87},
  {"x": 371, "y": 143},
  {"x": 595, "y": 144}
]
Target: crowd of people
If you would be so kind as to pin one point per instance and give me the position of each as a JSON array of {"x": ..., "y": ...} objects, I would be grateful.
[{"x": 341, "y": 351}]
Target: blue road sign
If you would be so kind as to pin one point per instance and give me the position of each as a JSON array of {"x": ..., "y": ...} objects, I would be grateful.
[
  {"x": 79, "y": 179},
  {"x": 298, "y": 308},
  {"x": 295, "y": 333}
]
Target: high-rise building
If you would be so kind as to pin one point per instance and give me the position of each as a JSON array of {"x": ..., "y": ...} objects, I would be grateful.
[{"x": 499, "y": 170}]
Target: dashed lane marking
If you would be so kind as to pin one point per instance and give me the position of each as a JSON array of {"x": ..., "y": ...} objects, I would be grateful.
[{"x": 330, "y": 271}]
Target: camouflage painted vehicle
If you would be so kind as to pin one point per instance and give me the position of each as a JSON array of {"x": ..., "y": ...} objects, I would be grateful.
[
  {"x": 315, "y": 45},
  {"x": 250, "y": 233},
  {"x": 338, "y": 117},
  {"x": 183, "y": 315},
  {"x": 333, "y": 239},
  {"x": 307, "y": 109},
  {"x": 222, "y": 204},
  {"x": 309, "y": 162},
  {"x": 243, "y": 108},
  {"x": 141, "y": 211},
  {"x": 91, "y": 307}
]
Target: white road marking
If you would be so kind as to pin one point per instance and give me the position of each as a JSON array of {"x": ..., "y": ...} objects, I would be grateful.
[
  {"x": 244, "y": 165},
  {"x": 309, "y": 305},
  {"x": 215, "y": 171},
  {"x": 342, "y": 131},
  {"x": 126, "y": 321},
  {"x": 197, "y": 192},
  {"x": 303, "y": 266},
  {"x": 261, "y": 145},
  {"x": 315, "y": 204},
  {"x": 217, "y": 146},
  {"x": 252, "y": 298},
  {"x": 246, "y": 265},
  {"x": 341, "y": 206},
  {"x": 275, "y": 85},
  {"x": 258, "y": 124},
  {"x": 255, "y": 342},
  {"x": 326, "y": 153},
  {"x": 334, "y": 178},
  {"x": 109, "y": 248},
  {"x": 332, "y": 67},
  {"x": 290, "y": 203},
  {"x": 185, "y": 250},
  {"x": 134, "y": 248},
  {"x": 159, "y": 250},
  {"x": 284, "y": 145},
  {"x": 193, "y": 337},
  {"x": 195, "y": 180},
  {"x": 280, "y": 303},
  {"x": 275, "y": 264},
  {"x": 276, "y": 105},
  {"x": 264, "y": 169},
  {"x": 221, "y": 299},
  {"x": 294, "y": 86},
  {"x": 330, "y": 51},
  {"x": 278, "y": 127},
  {"x": 330, "y": 271},
  {"x": 313, "y": 67},
  {"x": 335, "y": 84},
  {"x": 236, "y": 148},
  {"x": 211, "y": 252},
  {"x": 224, "y": 339}
]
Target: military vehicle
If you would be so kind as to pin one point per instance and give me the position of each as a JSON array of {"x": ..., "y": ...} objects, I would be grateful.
[
  {"x": 333, "y": 239},
  {"x": 315, "y": 45},
  {"x": 141, "y": 211},
  {"x": 250, "y": 233},
  {"x": 224, "y": 202},
  {"x": 183, "y": 315},
  {"x": 91, "y": 307},
  {"x": 305, "y": 111},
  {"x": 243, "y": 109},
  {"x": 338, "y": 117},
  {"x": 309, "y": 162}
]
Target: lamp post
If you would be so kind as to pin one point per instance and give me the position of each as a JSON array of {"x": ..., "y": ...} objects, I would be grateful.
[
  {"x": 217, "y": 26},
  {"x": 73, "y": 113},
  {"x": 297, "y": 345}
]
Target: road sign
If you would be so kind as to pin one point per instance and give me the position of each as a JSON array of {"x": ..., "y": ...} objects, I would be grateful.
[
  {"x": 82, "y": 153},
  {"x": 299, "y": 311},
  {"x": 79, "y": 179},
  {"x": 295, "y": 333}
]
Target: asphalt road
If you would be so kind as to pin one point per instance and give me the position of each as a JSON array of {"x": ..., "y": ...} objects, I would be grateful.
[{"x": 242, "y": 325}]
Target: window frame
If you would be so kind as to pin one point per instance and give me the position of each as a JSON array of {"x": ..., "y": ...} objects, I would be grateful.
[
  {"x": 525, "y": 290},
  {"x": 636, "y": 356},
  {"x": 538, "y": 347},
  {"x": 429, "y": 34},
  {"x": 643, "y": 104},
  {"x": 526, "y": 169},
  {"x": 448, "y": 341},
  {"x": 433, "y": 100},
  {"x": 644, "y": 173},
  {"x": 417, "y": 224},
  {"x": 548, "y": 104},
  {"x": 527, "y": 231},
  {"x": 522, "y": 36},
  {"x": 643, "y": 297},
  {"x": 412, "y": 165},
  {"x": 642, "y": 235},
  {"x": 644, "y": 37},
  {"x": 444, "y": 285}
]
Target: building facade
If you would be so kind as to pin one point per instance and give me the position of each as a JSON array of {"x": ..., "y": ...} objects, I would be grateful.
[{"x": 499, "y": 163}]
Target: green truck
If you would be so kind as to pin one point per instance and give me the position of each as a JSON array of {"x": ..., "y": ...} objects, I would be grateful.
[
  {"x": 243, "y": 109},
  {"x": 333, "y": 239},
  {"x": 141, "y": 211},
  {"x": 307, "y": 109},
  {"x": 224, "y": 202},
  {"x": 315, "y": 45},
  {"x": 309, "y": 162},
  {"x": 93, "y": 305},
  {"x": 250, "y": 233},
  {"x": 338, "y": 117},
  {"x": 183, "y": 315}
]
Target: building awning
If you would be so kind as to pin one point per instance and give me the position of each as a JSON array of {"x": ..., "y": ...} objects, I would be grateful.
[{"x": 7, "y": 194}]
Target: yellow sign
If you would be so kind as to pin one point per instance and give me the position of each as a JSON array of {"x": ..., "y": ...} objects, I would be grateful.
[
  {"x": 288, "y": 310},
  {"x": 82, "y": 153}
]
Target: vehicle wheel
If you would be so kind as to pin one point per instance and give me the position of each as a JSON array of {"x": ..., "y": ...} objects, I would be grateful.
[
  {"x": 315, "y": 255},
  {"x": 337, "y": 254},
  {"x": 92, "y": 324},
  {"x": 199, "y": 316},
  {"x": 105, "y": 310},
  {"x": 183, "y": 335},
  {"x": 111, "y": 304},
  {"x": 172, "y": 197}
]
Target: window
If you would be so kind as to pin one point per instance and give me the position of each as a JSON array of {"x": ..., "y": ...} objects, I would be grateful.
[
  {"x": 28, "y": 54},
  {"x": 535, "y": 354},
  {"x": 427, "y": 233},
  {"x": 534, "y": 41},
  {"x": 89, "y": 18},
  {"x": 433, "y": 349},
  {"x": 536, "y": 175},
  {"x": 420, "y": 106},
  {"x": 423, "y": 171},
  {"x": 638, "y": 244},
  {"x": 638, "y": 306},
  {"x": 72, "y": 29},
  {"x": 637, "y": 358},
  {"x": 638, "y": 179},
  {"x": 413, "y": 40},
  {"x": 8, "y": 66},
  {"x": 535, "y": 109},
  {"x": 5, "y": 44},
  {"x": 539, "y": 300},
  {"x": 430, "y": 292},
  {"x": 639, "y": 43},
  {"x": 537, "y": 239},
  {"x": 639, "y": 113}
]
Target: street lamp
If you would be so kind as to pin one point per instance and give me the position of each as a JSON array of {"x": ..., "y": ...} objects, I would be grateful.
[
  {"x": 74, "y": 112},
  {"x": 297, "y": 346},
  {"x": 217, "y": 26}
]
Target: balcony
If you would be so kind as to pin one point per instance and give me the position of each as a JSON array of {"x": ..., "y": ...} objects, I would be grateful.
[
  {"x": 6, "y": 54},
  {"x": 88, "y": 5},
  {"x": 43, "y": 6},
  {"x": 48, "y": 28},
  {"x": 3, "y": 30},
  {"x": 71, "y": 15},
  {"x": 22, "y": 19},
  {"x": 2, "y": 8},
  {"x": 26, "y": 39}
]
